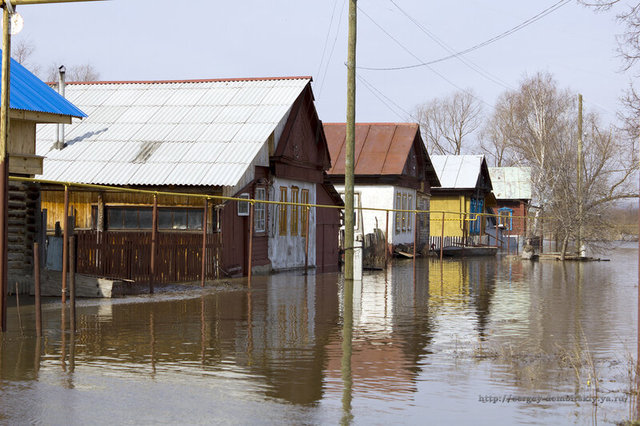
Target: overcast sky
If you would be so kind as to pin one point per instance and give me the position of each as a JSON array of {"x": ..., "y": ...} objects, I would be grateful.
[{"x": 162, "y": 39}]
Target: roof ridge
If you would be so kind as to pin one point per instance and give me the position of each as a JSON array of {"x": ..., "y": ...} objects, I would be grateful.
[{"x": 209, "y": 80}]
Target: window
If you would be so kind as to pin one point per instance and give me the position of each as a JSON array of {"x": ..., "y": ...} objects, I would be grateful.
[
  {"x": 304, "y": 200},
  {"x": 475, "y": 221},
  {"x": 398, "y": 214},
  {"x": 409, "y": 215},
  {"x": 259, "y": 210},
  {"x": 283, "y": 211},
  {"x": 404, "y": 214},
  {"x": 505, "y": 218},
  {"x": 294, "y": 210},
  {"x": 119, "y": 218},
  {"x": 243, "y": 206}
]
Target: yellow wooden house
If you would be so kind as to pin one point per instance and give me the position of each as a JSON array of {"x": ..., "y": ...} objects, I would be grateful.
[{"x": 465, "y": 192}]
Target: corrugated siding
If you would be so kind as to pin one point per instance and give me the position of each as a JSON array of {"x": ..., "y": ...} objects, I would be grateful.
[{"x": 185, "y": 133}]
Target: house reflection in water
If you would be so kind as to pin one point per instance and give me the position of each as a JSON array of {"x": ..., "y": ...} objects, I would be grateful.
[{"x": 391, "y": 334}]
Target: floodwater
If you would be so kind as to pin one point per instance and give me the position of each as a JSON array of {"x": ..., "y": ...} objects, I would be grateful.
[{"x": 482, "y": 341}]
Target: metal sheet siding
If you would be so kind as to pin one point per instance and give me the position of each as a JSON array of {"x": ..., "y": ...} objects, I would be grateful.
[{"x": 182, "y": 133}]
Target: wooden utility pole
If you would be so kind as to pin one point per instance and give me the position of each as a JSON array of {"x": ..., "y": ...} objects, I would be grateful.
[
  {"x": 350, "y": 144},
  {"x": 7, "y": 7},
  {"x": 580, "y": 167},
  {"x": 4, "y": 165}
]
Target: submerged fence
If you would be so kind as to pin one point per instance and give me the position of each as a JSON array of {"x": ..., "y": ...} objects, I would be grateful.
[
  {"x": 127, "y": 256},
  {"x": 165, "y": 256}
]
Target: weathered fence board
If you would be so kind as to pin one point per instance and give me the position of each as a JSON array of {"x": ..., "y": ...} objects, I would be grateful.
[{"x": 127, "y": 255}]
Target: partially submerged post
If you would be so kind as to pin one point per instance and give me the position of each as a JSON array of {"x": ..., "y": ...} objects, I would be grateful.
[
  {"x": 442, "y": 238},
  {"x": 250, "y": 265},
  {"x": 306, "y": 240},
  {"x": 154, "y": 238},
  {"x": 350, "y": 145},
  {"x": 36, "y": 277},
  {"x": 65, "y": 244},
  {"x": 72, "y": 282},
  {"x": 204, "y": 242}
]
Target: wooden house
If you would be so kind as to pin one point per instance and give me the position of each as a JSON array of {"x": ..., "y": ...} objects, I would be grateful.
[
  {"x": 32, "y": 102},
  {"x": 392, "y": 170},
  {"x": 247, "y": 138},
  {"x": 465, "y": 191},
  {"x": 512, "y": 189}
]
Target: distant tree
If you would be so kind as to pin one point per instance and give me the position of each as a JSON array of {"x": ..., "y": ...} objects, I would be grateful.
[
  {"x": 536, "y": 126},
  {"x": 22, "y": 51},
  {"x": 446, "y": 123},
  {"x": 85, "y": 72},
  {"x": 628, "y": 14}
]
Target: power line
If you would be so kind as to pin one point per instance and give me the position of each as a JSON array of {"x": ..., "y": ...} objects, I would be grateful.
[
  {"x": 326, "y": 39},
  {"x": 415, "y": 56},
  {"x": 487, "y": 42},
  {"x": 442, "y": 44},
  {"x": 324, "y": 75},
  {"x": 381, "y": 97}
]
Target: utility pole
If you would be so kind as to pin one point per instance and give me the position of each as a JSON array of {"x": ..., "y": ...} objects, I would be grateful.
[
  {"x": 4, "y": 164},
  {"x": 580, "y": 167},
  {"x": 350, "y": 144},
  {"x": 8, "y": 7}
]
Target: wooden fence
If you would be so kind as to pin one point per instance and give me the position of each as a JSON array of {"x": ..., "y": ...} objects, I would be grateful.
[{"x": 127, "y": 255}]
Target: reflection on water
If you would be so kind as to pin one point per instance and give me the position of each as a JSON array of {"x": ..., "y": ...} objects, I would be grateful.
[{"x": 438, "y": 341}]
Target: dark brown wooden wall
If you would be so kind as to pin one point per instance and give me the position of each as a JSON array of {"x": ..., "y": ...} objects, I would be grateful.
[{"x": 327, "y": 229}]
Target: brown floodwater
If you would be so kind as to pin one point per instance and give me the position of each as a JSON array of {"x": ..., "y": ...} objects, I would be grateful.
[{"x": 482, "y": 341}]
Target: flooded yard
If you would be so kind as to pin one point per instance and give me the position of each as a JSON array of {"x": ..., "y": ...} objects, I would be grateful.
[{"x": 482, "y": 341}]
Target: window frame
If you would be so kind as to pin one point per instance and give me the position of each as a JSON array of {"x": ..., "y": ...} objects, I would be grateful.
[
  {"x": 304, "y": 199},
  {"x": 282, "y": 211},
  {"x": 260, "y": 210},
  {"x": 295, "y": 191},
  {"x": 243, "y": 206}
]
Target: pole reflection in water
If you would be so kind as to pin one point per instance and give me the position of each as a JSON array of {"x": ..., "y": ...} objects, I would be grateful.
[
  {"x": 152, "y": 342},
  {"x": 63, "y": 337},
  {"x": 38, "y": 356},
  {"x": 347, "y": 337},
  {"x": 202, "y": 330}
]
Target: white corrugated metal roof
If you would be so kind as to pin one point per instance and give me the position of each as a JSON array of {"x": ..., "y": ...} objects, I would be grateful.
[
  {"x": 457, "y": 171},
  {"x": 511, "y": 183},
  {"x": 178, "y": 133}
]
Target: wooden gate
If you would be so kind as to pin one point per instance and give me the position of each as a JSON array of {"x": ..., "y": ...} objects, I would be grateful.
[{"x": 127, "y": 255}]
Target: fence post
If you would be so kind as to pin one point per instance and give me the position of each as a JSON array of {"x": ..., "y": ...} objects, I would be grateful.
[
  {"x": 415, "y": 235},
  {"x": 204, "y": 241},
  {"x": 386, "y": 242},
  {"x": 72, "y": 282},
  {"x": 250, "y": 266},
  {"x": 154, "y": 237},
  {"x": 36, "y": 276},
  {"x": 65, "y": 244},
  {"x": 306, "y": 241},
  {"x": 442, "y": 237}
]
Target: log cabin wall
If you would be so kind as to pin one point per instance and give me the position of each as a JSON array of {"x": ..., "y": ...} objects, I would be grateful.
[{"x": 23, "y": 216}]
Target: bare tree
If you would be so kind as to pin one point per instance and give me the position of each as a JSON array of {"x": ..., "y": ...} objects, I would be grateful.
[
  {"x": 22, "y": 51},
  {"x": 85, "y": 72},
  {"x": 536, "y": 125},
  {"x": 446, "y": 123}
]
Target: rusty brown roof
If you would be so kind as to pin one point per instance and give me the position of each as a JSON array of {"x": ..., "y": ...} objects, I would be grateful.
[{"x": 381, "y": 148}]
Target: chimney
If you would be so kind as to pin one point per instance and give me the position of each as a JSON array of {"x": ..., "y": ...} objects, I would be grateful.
[{"x": 60, "y": 127}]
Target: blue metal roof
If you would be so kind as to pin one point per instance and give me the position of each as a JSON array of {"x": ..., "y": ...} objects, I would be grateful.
[{"x": 29, "y": 93}]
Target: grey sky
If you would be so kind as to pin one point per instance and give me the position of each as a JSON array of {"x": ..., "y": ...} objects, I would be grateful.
[{"x": 162, "y": 39}]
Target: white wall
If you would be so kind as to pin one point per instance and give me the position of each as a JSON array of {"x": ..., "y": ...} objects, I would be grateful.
[
  {"x": 286, "y": 252},
  {"x": 382, "y": 197}
]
